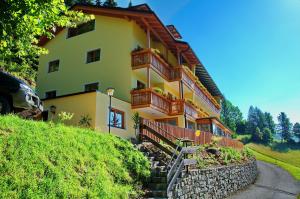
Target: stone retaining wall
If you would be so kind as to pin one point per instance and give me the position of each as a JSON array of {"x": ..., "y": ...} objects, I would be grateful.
[{"x": 215, "y": 183}]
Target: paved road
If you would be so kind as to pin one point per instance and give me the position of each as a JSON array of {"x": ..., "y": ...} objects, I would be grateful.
[{"x": 272, "y": 183}]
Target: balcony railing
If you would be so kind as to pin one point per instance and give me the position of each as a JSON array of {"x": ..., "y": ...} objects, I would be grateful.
[
  {"x": 145, "y": 58},
  {"x": 148, "y": 58},
  {"x": 148, "y": 98}
]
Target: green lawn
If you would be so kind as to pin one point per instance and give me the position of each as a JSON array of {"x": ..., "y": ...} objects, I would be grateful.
[
  {"x": 288, "y": 155},
  {"x": 266, "y": 154},
  {"x": 46, "y": 160}
]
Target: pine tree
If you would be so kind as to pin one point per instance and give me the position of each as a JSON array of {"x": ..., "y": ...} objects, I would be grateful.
[
  {"x": 270, "y": 122},
  {"x": 110, "y": 3},
  {"x": 296, "y": 130},
  {"x": 98, "y": 3},
  {"x": 284, "y": 127},
  {"x": 130, "y": 4}
]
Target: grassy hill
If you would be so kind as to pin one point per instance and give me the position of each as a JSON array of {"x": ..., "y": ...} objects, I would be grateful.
[
  {"x": 288, "y": 159},
  {"x": 46, "y": 160}
]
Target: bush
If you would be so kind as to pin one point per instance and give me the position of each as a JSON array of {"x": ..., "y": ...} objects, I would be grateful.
[{"x": 47, "y": 160}]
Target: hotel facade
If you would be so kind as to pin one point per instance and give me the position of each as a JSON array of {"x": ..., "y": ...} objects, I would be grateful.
[{"x": 153, "y": 71}]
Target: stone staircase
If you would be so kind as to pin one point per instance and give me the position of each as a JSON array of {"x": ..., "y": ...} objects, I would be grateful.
[{"x": 156, "y": 187}]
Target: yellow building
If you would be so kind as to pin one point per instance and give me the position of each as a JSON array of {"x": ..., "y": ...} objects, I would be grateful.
[{"x": 153, "y": 71}]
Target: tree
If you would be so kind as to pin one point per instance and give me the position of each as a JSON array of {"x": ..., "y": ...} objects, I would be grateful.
[
  {"x": 267, "y": 136},
  {"x": 241, "y": 127},
  {"x": 98, "y": 3},
  {"x": 296, "y": 129},
  {"x": 231, "y": 115},
  {"x": 23, "y": 23},
  {"x": 257, "y": 135},
  {"x": 284, "y": 127},
  {"x": 70, "y": 3},
  {"x": 130, "y": 4},
  {"x": 251, "y": 125},
  {"x": 110, "y": 3},
  {"x": 270, "y": 124}
]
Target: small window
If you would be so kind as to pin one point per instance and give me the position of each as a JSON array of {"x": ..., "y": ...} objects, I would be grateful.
[
  {"x": 140, "y": 85},
  {"x": 91, "y": 87},
  {"x": 93, "y": 56},
  {"x": 80, "y": 29},
  {"x": 53, "y": 66},
  {"x": 117, "y": 118},
  {"x": 50, "y": 94}
]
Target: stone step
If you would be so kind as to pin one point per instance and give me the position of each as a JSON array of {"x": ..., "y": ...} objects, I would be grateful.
[
  {"x": 158, "y": 186},
  {"x": 161, "y": 194},
  {"x": 159, "y": 173},
  {"x": 155, "y": 179}
]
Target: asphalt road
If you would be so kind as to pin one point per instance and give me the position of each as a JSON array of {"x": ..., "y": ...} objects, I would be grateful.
[{"x": 272, "y": 183}]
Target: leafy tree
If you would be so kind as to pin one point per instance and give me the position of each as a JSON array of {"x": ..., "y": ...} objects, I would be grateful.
[
  {"x": 241, "y": 127},
  {"x": 296, "y": 129},
  {"x": 257, "y": 135},
  {"x": 73, "y": 2},
  {"x": 284, "y": 127},
  {"x": 267, "y": 136},
  {"x": 231, "y": 115},
  {"x": 110, "y": 3},
  {"x": 23, "y": 23}
]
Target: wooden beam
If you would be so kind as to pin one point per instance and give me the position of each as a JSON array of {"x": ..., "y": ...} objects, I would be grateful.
[{"x": 153, "y": 31}]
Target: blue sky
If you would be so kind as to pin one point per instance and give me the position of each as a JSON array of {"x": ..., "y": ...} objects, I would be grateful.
[{"x": 251, "y": 48}]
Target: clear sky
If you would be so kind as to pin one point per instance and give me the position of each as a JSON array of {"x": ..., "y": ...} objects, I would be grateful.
[{"x": 251, "y": 48}]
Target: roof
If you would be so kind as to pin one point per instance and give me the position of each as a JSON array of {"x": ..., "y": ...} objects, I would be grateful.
[
  {"x": 174, "y": 31},
  {"x": 207, "y": 81}
]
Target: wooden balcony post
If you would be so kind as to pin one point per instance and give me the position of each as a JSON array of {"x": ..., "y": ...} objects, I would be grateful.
[
  {"x": 148, "y": 38},
  {"x": 178, "y": 57},
  {"x": 148, "y": 77}
]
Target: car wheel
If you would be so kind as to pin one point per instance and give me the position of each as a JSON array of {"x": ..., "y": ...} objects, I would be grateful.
[{"x": 5, "y": 106}]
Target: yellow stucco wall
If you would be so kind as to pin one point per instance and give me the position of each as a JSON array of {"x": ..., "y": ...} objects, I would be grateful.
[
  {"x": 102, "y": 112},
  {"x": 78, "y": 105},
  {"x": 95, "y": 105},
  {"x": 114, "y": 37}
]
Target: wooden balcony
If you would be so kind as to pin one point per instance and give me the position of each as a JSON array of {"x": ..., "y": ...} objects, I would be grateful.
[
  {"x": 148, "y": 59},
  {"x": 148, "y": 98}
]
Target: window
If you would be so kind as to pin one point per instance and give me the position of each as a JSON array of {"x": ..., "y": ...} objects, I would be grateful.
[
  {"x": 53, "y": 66},
  {"x": 93, "y": 56},
  {"x": 190, "y": 125},
  {"x": 170, "y": 121},
  {"x": 117, "y": 118},
  {"x": 204, "y": 127},
  {"x": 140, "y": 85},
  {"x": 91, "y": 87},
  {"x": 50, "y": 94},
  {"x": 82, "y": 28}
]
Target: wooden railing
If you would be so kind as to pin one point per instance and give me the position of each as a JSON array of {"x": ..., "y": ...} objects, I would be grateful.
[
  {"x": 148, "y": 98},
  {"x": 148, "y": 58},
  {"x": 174, "y": 133},
  {"x": 227, "y": 142}
]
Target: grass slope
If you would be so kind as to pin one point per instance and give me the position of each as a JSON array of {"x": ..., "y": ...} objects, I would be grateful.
[
  {"x": 45, "y": 160},
  {"x": 283, "y": 160}
]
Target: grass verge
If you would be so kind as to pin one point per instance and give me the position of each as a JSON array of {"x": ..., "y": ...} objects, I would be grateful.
[
  {"x": 287, "y": 155},
  {"x": 46, "y": 160},
  {"x": 293, "y": 170}
]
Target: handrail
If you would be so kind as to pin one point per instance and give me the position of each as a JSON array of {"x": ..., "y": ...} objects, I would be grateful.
[{"x": 178, "y": 165}]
